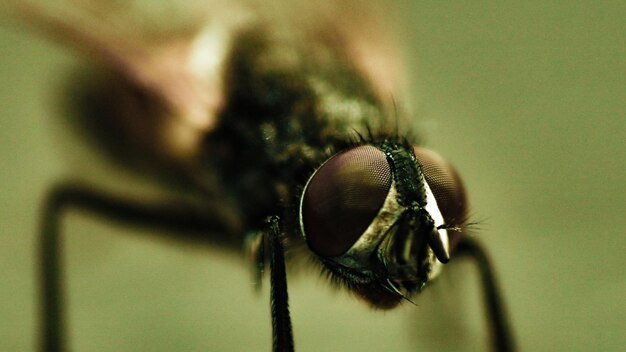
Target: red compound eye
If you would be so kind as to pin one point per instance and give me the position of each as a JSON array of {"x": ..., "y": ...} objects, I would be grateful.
[
  {"x": 447, "y": 187},
  {"x": 343, "y": 197}
]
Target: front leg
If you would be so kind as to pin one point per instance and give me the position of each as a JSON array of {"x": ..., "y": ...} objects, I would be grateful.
[
  {"x": 503, "y": 340},
  {"x": 282, "y": 335},
  {"x": 197, "y": 222}
]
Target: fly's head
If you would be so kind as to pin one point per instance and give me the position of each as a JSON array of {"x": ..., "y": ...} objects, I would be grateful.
[{"x": 383, "y": 218}]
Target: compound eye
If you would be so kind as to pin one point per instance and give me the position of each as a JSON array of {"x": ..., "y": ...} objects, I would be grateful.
[
  {"x": 446, "y": 185},
  {"x": 342, "y": 198}
]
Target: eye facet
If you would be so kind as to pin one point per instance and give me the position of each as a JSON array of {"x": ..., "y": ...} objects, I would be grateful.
[
  {"x": 342, "y": 198},
  {"x": 446, "y": 185}
]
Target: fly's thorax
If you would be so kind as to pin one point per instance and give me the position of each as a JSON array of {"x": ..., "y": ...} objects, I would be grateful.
[
  {"x": 371, "y": 216},
  {"x": 287, "y": 104}
]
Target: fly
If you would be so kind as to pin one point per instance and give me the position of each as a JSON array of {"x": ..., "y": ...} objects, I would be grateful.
[{"x": 280, "y": 127}]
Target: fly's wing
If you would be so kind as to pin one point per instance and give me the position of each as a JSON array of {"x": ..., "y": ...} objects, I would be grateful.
[
  {"x": 159, "y": 87},
  {"x": 364, "y": 31},
  {"x": 162, "y": 88},
  {"x": 369, "y": 36}
]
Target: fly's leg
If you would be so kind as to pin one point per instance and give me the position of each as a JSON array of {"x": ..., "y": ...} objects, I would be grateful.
[
  {"x": 177, "y": 215},
  {"x": 498, "y": 321},
  {"x": 282, "y": 335}
]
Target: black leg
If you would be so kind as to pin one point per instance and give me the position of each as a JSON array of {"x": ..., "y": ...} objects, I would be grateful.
[
  {"x": 498, "y": 322},
  {"x": 183, "y": 217},
  {"x": 282, "y": 335},
  {"x": 53, "y": 322}
]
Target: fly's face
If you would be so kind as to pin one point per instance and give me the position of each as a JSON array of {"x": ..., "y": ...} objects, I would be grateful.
[{"x": 383, "y": 218}]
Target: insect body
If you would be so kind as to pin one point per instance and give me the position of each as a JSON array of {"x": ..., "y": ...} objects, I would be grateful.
[{"x": 268, "y": 116}]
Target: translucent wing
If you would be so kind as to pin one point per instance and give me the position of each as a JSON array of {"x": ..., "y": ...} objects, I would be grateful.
[
  {"x": 162, "y": 71},
  {"x": 172, "y": 55}
]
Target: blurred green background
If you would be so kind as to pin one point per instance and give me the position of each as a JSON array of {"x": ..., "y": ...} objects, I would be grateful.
[{"x": 527, "y": 99}]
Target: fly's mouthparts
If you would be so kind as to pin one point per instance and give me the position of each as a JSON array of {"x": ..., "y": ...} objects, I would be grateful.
[
  {"x": 411, "y": 245},
  {"x": 400, "y": 257},
  {"x": 393, "y": 287}
]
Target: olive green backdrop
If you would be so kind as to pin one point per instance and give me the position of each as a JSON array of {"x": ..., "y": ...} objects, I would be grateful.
[{"x": 526, "y": 98}]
